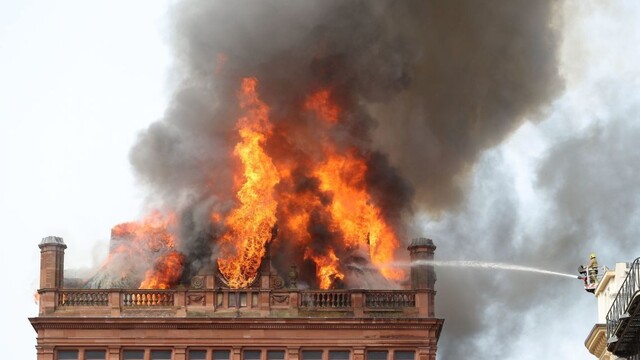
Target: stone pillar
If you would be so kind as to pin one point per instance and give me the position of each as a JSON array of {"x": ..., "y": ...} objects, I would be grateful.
[
  {"x": 236, "y": 353},
  {"x": 51, "y": 263},
  {"x": 265, "y": 265},
  {"x": 357, "y": 301},
  {"x": 179, "y": 353},
  {"x": 293, "y": 353},
  {"x": 44, "y": 352},
  {"x": 113, "y": 353},
  {"x": 180, "y": 302},
  {"x": 265, "y": 268},
  {"x": 358, "y": 353},
  {"x": 423, "y": 276}
]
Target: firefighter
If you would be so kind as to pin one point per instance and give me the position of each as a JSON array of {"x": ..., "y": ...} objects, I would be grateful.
[{"x": 593, "y": 269}]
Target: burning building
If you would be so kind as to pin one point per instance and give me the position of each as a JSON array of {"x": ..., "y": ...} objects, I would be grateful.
[
  {"x": 293, "y": 253},
  {"x": 302, "y": 262},
  {"x": 211, "y": 318},
  {"x": 285, "y": 173}
]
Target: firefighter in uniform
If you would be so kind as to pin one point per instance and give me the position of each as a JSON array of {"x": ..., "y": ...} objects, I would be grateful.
[{"x": 593, "y": 269}]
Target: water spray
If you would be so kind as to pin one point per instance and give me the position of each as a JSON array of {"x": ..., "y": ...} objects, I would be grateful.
[{"x": 485, "y": 265}]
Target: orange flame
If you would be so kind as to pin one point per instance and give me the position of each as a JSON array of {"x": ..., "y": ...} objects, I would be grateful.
[
  {"x": 272, "y": 159},
  {"x": 353, "y": 211},
  {"x": 249, "y": 225},
  {"x": 326, "y": 268},
  {"x": 354, "y": 214},
  {"x": 165, "y": 272}
]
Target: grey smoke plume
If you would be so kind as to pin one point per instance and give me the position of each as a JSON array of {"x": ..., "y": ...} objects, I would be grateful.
[
  {"x": 589, "y": 182},
  {"x": 425, "y": 88}
]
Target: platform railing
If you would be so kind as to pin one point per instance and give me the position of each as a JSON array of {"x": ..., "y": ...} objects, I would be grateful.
[{"x": 629, "y": 289}]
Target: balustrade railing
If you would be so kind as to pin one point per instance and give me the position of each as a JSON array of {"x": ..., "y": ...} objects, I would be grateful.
[
  {"x": 629, "y": 289},
  {"x": 390, "y": 299},
  {"x": 147, "y": 298},
  {"x": 83, "y": 298},
  {"x": 343, "y": 300},
  {"x": 325, "y": 299}
]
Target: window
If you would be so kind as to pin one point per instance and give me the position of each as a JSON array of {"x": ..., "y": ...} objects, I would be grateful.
[
  {"x": 198, "y": 355},
  {"x": 275, "y": 355},
  {"x": 254, "y": 299},
  {"x": 404, "y": 355},
  {"x": 377, "y": 355},
  {"x": 232, "y": 299},
  {"x": 243, "y": 299},
  {"x": 219, "y": 297},
  {"x": 95, "y": 355},
  {"x": 311, "y": 354},
  {"x": 67, "y": 354},
  {"x": 133, "y": 355},
  {"x": 220, "y": 354},
  {"x": 160, "y": 354},
  {"x": 252, "y": 354},
  {"x": 338, "y": 355}
]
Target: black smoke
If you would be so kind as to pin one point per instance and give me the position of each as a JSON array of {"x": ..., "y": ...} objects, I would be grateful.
[{"x": 426, "y": 87}]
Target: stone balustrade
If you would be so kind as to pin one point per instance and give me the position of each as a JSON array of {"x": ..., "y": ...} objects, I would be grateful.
[
  {"x": 236, "y": 303},
  {"x": 390, "y": 299},
  {"x": 83, "y": 298},
  {"x": 325, "y": 299},
  {"x": 147, "y": 298}
]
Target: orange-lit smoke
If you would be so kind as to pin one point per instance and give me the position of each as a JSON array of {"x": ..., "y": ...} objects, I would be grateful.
[{"x": 141, "y": 240}]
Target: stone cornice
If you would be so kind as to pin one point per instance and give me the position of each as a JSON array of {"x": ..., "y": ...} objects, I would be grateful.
[
  {"x": 596, "y": 342},
  {"x": 39, "y": 323}
]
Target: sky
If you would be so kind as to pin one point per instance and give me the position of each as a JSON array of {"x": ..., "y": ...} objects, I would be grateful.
[{"x": 80, "y": 80}]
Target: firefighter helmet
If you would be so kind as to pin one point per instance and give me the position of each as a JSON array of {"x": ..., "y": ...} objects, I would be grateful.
[{"x": 592, "y": 256}]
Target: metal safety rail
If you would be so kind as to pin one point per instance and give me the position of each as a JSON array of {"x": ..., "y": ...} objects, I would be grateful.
[{"x": 623, "y": 318}]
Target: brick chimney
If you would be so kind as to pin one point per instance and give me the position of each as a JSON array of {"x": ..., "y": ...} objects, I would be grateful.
[
  {"x": 423, "y": 277},
  {"x": 51, "y": 262}
]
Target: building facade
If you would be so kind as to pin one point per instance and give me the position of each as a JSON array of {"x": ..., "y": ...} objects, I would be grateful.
[
  {"x": 616, "y": 335},
  {"x": 204, "y": 321}
]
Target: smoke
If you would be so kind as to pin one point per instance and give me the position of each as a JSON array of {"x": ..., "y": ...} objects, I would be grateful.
[
  {"x": 587, "y": 189},
  {"x": 571, "y": 189},
  {"x": 424, "y": 87}
]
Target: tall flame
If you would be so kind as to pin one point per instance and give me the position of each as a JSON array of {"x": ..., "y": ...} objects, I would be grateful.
[
  {"x": 249, "y": 224},
  {"x": 353, "y": 212},
  {"x": 296, "y": 173}
]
